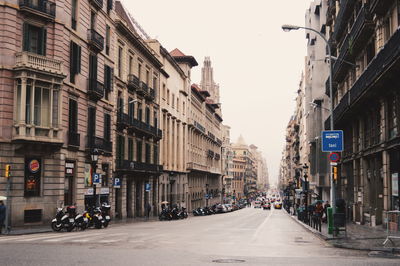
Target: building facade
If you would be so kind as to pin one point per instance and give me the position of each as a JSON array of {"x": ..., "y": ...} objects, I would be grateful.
[{"x": 365, "y": 37}]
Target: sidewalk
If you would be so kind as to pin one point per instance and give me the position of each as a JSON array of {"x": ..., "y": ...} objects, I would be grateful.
[
  {"x": 35, "y": 229},
  {"x": 359, "y": 237}
]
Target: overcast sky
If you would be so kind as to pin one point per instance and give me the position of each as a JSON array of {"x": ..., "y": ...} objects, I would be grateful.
[{"x": 257, "y": 65}]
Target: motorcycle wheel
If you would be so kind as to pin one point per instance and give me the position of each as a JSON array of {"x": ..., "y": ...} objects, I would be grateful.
[
  {"x": 70, "y": 228},
  {"x": 97, "y": 225},
  {"x": 105, "y": 224},
  {"x": 54, "y": 227}
]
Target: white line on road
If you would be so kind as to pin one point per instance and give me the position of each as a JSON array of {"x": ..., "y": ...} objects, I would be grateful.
[
  {"x": 70, "y": 237},
  {"x": 38, "y": 238},
  {"x": 260, "y": 227}
]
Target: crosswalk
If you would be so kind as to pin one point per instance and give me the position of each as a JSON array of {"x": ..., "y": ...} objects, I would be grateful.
[{"x": 88, "y": 236}]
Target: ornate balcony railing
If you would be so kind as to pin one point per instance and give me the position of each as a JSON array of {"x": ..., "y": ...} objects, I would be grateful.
[
  {"x": 43, "y": 8},
  {"x": 127, "y": 166},
  {"x": 38, "y": 62},
  {"x": 341, "y": 107},
  {"x": 151, "y": 94},
  {"x": 143, "y": 127},
  {"x": 74, "y": 139},
  {"x": 95, "y": 89},
  {"x": 122, "y": 119},
  {"x": 101, "y": 144},
  {"x": 133, "y": 82},
  {"x": 95, "y": 40},
  {"x": 210, "y": 154}
]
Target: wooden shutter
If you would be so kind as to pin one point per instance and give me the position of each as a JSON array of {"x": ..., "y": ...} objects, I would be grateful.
[
  {"x": 73, "y": 116},
  {"x": 107, "y": 126},
  {"x": 42, "y": 41},
  {"x": 78, "y": 59},
  {"x": 71, "y": 62},
  {"x": 27, "y": 37}
]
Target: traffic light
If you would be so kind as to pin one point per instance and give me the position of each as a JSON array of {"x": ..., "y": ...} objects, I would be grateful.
[
  {"x": 335, "y": 173},
  {"x": 7, "y": 171}
]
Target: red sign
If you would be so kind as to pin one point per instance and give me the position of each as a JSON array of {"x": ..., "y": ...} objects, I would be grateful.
[
  {"x": 34, "y": 166},
  {"x": 334, "y": 157}
]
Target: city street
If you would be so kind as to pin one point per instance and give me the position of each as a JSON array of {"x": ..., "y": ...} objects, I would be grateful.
[{"x": 246, "y": 237}]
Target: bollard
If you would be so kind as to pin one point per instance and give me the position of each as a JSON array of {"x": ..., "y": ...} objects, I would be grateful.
[{"x": 330, "y": 220}]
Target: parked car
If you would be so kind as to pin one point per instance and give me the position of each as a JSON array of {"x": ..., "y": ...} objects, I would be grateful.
[{"x": 257, "y": 204}]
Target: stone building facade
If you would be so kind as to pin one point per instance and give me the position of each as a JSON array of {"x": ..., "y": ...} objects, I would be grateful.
[{"x": 366, "y": 38}]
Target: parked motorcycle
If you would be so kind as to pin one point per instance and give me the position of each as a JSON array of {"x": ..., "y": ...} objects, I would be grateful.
[
  {"x": 165, "y": 215},
  {"x": 105, "y": 213},
  {"x": 64, "y": 220},
  {"x": 93, "y": 214}
]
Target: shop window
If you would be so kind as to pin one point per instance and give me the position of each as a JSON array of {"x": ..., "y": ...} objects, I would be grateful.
[{"x": 33, "y": 170}]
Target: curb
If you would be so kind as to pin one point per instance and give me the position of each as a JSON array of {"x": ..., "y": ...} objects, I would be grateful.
[{"x": 340, "y": 245}]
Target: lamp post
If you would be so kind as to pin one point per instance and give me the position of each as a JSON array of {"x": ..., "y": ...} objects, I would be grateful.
[
  {"x": 94, "y": 156},
  {"x": 288, "y": 28}
]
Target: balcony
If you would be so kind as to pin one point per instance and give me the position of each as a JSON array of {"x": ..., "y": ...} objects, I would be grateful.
[
  {"x": 345, "y": 10},
  {"x": 210, "y": 154},
  {"x": 143, "y": 89},
  {"x": 360, "y": 32},
  {"x": 74, "y": 139},
  {"x": 380, "y": 7},
  {"x": 133, "y": 166},
  {"x": 96, "y": 41},
  {"x": 135, "y": 124},
  {"x": 133, "y": 82},
  {"x": 95, "y": 89},
  {"x": 39, "y": 8},
  {"x": 382, "y": 63},
  {"x": 197, "y": 166},
  {"x": 31, "y": 61},
  {"x": 122, "y": 120},
  {"x": 99, "y": 143},
  {"x": 97, "y": 3},
  {"x": 150, "y": 95}
]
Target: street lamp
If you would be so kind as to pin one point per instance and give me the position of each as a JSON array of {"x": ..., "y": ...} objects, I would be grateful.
[
  {"x": 288, "y": 28},
  {"x": 94, "y": 156}
]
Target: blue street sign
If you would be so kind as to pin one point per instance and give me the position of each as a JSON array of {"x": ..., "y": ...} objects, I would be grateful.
[
  {"x": 96, "y": 178},
  {"x": 117, "y": 182},
  {"x": 147, "y": 187},
  {"x": 332, "y": 141}
]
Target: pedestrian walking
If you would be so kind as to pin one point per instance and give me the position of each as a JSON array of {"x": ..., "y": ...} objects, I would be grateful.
[
  {"x": 3, "y": 209},
  {"x": 325, "y": 212},
  {"x": 319, "y": 209},
  {"x": 148, "y": 210}
]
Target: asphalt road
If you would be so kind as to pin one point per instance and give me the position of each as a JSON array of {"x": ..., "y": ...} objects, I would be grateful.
[{"x": 245, "y": 237}]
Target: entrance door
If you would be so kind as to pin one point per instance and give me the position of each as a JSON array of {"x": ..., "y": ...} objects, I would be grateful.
[
  {"x": 138, "y": 201},
  {"x": 68, "y": 190}
]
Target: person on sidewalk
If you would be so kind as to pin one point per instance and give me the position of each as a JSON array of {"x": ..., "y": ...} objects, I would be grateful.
[
  {"x": 319, "y": 209},
  {"x": 2, "y": 215},
  {"x": 148, "y": 210},
  {"x": 325, "y": 213}
]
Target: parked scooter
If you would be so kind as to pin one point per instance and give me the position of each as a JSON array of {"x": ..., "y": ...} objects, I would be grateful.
[
  {"x": 165, "y": 215},
  {"x": 105, "y": 213},
  {"x": 94, "y": 217},
  {"x": 64, "y": 220}
]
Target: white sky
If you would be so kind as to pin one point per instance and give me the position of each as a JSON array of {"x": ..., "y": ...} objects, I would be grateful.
[{"x": 257, "y": 65}]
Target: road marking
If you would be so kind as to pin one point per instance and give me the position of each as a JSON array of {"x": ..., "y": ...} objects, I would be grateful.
[
  {"x": 260, "y": 227},
  {"x": 69, "y": 237},
  {"x": 38, "y": 238}
]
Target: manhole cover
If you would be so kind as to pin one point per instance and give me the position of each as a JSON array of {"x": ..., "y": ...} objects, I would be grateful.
[
  {"x": 382, "y": 254},
  {"x": 228, "y": 261}
]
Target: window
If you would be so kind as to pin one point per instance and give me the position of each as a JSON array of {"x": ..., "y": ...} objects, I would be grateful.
[
  {"x": 148, "y": 153},
  {"x": 147, "y": 77},
  {"x": 183, "y": 108},
  {"x": 140, "y": 72},
  {"x": 108, "y": 39},
  {"x": 73, "y": 116},
  {"x": 105, "y": 177},
  {"x": 130, "y": 64},
  {"x": 109, "y": 6},
  {"x": 93, "y": 67},
  {"x": 155, "y": 81},
  {"x": 91, "y": 121},
  {"x": 177, "y": 104},
  {"x": 35, "y": 39},
  {"x": 139, "y": 151},
  {"x": 140, "y": 112},
  {"x": 155, "y": 119},
  {"x": 74, "y": 10},
  {"x": 131, "y": 109},
  {"x": 120, "y": 61},
  {"x": 33, "y": 170},
  {"x": 167, "y": 96},
  {"x": 173, "y": 100},
  {"x": 163, "y": 91},
  {"x": 74, "y": 61},
  {"x": 107, "y": 127},
  {"x": 92, "y": 20},
  {"x": 147, "y": 115},
  {"x": 38, "y": 104},
  {"x": 130, "y": 149},
  {"x": 108, "y": 80},
  {"x": 370, "y": 51},
  {"x": 120, "y": 149}
]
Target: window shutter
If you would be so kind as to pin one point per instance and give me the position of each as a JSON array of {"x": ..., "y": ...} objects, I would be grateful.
[
  {"x": 43, "y": 40},
  {"x": 26, "y": 32},
  {"x": 71, "y": 62},
  {"x": 78, "y": 68},
  {"x": 109, "y": 4}
]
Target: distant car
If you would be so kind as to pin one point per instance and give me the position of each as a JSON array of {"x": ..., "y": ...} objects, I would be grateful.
[
  {"x": 278, "y": 205},
  {"x": 257, "y": 204},
  {"x": 267, "y": 206}
]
